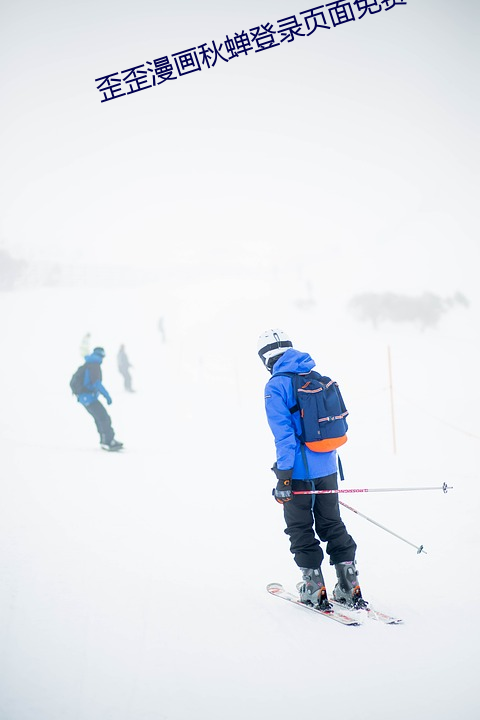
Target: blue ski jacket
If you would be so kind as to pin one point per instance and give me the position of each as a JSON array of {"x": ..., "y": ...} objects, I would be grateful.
[
  {"x": 93, "y": 381},
  {"x": 286, "y": 427}
]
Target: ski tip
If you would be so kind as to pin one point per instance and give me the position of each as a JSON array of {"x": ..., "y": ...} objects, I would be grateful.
[
  {"x": 274, "y": 587},
  {"x": 383, "y": 617}
]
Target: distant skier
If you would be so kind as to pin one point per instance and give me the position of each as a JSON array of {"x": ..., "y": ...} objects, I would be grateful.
[
  {"x": 87, "y": 385},
  {"x": 124, "y": 368},
  {"x": 85, "y": 345},
  {"x": 300, "y": 468},
  {"x": 161, "y": 329}
]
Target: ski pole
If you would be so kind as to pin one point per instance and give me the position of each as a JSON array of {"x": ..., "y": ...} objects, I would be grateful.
[
  {"x": 443, "y": 487},
  {"x": 419, "y": 548}
]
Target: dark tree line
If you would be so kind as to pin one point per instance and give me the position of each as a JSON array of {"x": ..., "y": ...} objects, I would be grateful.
[
  {"x": 11, "y": 270},
  {"x": 426, "y": 309}
]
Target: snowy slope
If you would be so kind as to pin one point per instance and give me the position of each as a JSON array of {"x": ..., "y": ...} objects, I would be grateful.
[{"x": 116, "y": 569}]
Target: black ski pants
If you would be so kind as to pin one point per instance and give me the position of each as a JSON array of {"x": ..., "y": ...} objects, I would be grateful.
[
  {"x": 310, "y": 517},
  {"x": 102, "y": 421}
]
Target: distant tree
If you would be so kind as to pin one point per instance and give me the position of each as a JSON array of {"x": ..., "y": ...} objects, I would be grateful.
[
  {"x": 460, "y": 299},
  {"x": 307, "y": 302},
  {"x": 427, "y": 309},
  {"x": 54, "y": 276},
  {"x": 10, "y": 270}
]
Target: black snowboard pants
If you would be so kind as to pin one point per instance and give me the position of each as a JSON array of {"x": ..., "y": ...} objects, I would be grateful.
[
  {"x": 310, "y": 517},
  {"x": 102, "y": 421}
]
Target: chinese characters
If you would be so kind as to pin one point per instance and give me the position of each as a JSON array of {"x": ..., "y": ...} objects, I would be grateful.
[{"x": 263, "y": 37}]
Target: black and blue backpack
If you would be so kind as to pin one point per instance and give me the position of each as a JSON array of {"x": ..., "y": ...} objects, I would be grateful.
[
  {"x": 322, "y": 410},
  {"x": 77, "y": 382}
]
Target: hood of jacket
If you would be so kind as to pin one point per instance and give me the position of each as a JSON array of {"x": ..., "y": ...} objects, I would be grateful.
[
  {"x": 293, "y": 361},
  {"x": 93, "y": 358}
]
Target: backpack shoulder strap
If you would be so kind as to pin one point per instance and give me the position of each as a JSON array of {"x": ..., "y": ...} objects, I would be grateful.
[{"x": 293, "y": 377}]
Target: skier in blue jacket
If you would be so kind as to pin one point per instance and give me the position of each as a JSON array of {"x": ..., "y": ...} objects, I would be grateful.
[
  {"x": 308, "y": 518},
  {"x": 93, "y": 387}
]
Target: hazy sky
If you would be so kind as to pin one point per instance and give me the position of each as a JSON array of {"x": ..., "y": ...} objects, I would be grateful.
[{"x": 356, "y": 144}]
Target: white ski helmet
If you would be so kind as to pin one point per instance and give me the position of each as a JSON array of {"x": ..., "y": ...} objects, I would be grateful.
[{"x": 271, "y": 344}]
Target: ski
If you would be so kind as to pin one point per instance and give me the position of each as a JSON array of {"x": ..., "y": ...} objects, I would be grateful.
[
  {"x": 371, "y": 613},
  {"x": 336, "y": 613}
]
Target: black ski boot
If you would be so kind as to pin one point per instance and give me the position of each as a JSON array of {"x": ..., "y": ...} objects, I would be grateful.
[
  {"x": 347, "y": 590},
  {"x": 312, "y": 589}
]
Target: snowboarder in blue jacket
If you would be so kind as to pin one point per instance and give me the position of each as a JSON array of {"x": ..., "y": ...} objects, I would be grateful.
[
  {"x": 92, "y": 388},
  {"x": 309, "y": 518}
]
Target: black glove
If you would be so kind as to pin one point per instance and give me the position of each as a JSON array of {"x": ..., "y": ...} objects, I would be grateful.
[
  {"x": 282, "y": 474},
  {"x": 283, "y": 492}
]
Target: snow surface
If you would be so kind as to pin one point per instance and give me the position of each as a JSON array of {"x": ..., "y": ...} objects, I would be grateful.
[{"x": 133, "y": 584}]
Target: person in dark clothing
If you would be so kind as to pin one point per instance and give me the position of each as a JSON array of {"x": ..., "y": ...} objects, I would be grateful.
[
  {"x": 309, "y": 518},
  {"x": 124, "y": 366},
  {"x": 92, "y": 388}
]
